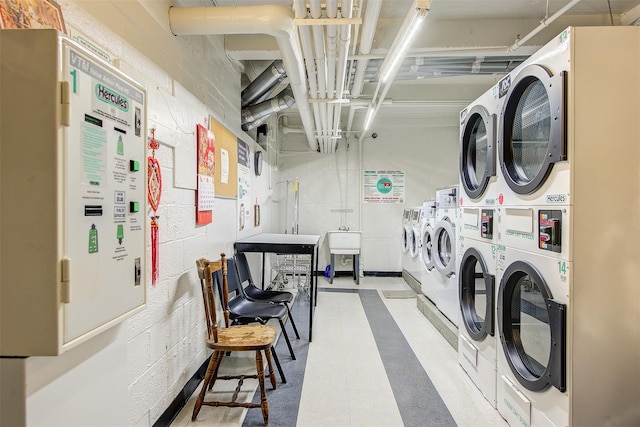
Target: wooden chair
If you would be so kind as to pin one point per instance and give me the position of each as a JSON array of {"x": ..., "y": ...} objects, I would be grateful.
[{"x": 255, "y": 337}]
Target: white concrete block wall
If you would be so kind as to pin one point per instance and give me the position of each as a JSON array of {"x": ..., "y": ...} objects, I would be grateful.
[{"x": 136, "y": 369}]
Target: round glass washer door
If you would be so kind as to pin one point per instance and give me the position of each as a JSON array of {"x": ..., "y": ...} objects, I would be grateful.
[
  {"x": 444, "y": 252},
  {"x": 532, "y": 328},
  {"x": 477, "y": 295},
  {"x": 426, "y": 252},
  {"x": 406, "y": 238},
  {"x": 532, "y": 132},
  {"x": 477, "y": 151}
]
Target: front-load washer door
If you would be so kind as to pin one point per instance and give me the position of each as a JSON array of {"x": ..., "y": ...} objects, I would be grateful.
[
  {"x": 406, "y": 238},
  {"x": 445, "y": 247},
  {"x": 477, "y": 296},
  {"x": 414, "y": 247},
  {"x": 532, "y": 328},
  {"x": 427, "y": 248},
  {"x": 477, "y": 151},
  {"x": 533, "y": 130}
]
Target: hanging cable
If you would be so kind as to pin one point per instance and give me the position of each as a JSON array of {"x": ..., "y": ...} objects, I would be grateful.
[{"x": 610, "y": 13}]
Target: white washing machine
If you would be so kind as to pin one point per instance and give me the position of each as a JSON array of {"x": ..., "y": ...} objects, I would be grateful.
[
  {"x": 412, "y": 264},
  {"x": 532, "y": 307},
  {"x": 406, "y": 230},
  {"x": 445, "y": 258},
  {"x": 426, "y": 250},
  {"x": 567, "y": 272}
]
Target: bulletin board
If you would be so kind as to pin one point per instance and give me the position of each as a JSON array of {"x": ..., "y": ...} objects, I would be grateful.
[{"x": 226, "y": 173}]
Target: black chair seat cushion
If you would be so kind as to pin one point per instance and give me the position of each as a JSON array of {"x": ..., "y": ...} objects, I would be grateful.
[
  {"x": 241, "y": 309},
  {"x": 275, "y": 296}
]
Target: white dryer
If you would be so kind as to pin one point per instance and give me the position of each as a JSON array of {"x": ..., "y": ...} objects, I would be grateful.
[
  {"x": 477, "y": 339},
  {"x": 426, "y": 250},
  {"x": 445, "y": 240},
  {"x": 567, "y": 149},
  {"x": 406, "y": 230},
  {"x": 532, "y": 307}
]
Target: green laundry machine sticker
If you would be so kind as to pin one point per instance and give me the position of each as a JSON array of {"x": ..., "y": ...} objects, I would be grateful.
[
  {"x": 93, "y": 239},
  {"x": 120, "y": 233}
]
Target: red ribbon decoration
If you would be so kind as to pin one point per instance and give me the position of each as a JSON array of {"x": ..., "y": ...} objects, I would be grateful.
[{"x": 154, "y": 191}]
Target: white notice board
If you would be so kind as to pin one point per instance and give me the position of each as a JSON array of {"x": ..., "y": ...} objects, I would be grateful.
[{"x": 383, "y": 186}]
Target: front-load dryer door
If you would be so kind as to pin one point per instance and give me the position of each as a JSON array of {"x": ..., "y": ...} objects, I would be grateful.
[
  {"x": 532, "y": 328},
  {"x": 532, "y": 132},
  {"x": 427, "y": 248},
  {"x": 445, "y": 247},
  {"x": 477, "y": 151},
  {"x": 477, "y": 295}
]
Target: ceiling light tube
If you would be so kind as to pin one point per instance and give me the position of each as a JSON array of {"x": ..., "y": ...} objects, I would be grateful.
[{"x": 402, "y": 42}]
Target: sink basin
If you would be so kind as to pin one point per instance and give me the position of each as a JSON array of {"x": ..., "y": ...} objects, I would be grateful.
[{"x": 344, "y": 242}]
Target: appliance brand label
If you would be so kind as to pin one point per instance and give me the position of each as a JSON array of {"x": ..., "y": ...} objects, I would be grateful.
[
  {"x": 490, "y": 202},
  {"x": 504, "y": 85},
  {"x": 112, "y": 97},
  {"x": 556, "y": 198}
]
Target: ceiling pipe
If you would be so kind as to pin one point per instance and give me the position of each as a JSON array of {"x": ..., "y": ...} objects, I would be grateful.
[
  {"x": 332, "y": 54},
  {"x": 371, "y": 15},
  {"x": 315, "y": 9},
  {"x": 300, "y": 10},
  {"x": 276, "y": 21},
  {"x": 266, "y": 82},
  {"x": 543, "y": 24},
  {"x": 345, "y": 39}
]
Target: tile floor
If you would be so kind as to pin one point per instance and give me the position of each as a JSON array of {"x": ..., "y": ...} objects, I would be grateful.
[{"x": 345, "y": 382}]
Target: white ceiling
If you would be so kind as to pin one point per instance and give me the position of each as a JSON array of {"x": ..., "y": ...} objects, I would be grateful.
[{"x": 438, "y": 76}]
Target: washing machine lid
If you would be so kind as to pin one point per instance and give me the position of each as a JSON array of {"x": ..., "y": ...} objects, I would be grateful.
[
  {"x": 476, "y": 286},
  {"x": 444, "y": 255},
  {"x": 414, "y": 246},
  {"x": 532, "y": 328},
  {"x": 406, "y": 238},
  {"x": 427, "y": 248},
  {"x": 477, "y": 150},
  {"x": 533, "y": 128}
]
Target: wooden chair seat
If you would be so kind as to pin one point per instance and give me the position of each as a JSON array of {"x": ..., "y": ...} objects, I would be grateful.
[{"x": 255, "y": 337}]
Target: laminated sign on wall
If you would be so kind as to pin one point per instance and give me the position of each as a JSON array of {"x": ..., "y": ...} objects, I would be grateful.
[{"x": 383, "y": 187}]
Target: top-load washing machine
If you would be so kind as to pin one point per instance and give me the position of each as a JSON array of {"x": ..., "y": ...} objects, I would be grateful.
[
  {"x": 477, "y": 341},
  {"x": 568, "y": 353},
  {"x": 412, "y": 265},
  {"x": 426, "y": 249},
  {"x": 445, "y": 240}
]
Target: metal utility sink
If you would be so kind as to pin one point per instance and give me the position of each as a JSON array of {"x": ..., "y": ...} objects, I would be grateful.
[{"x": 343, "y": 242}]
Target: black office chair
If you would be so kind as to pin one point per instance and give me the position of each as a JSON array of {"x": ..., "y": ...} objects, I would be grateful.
[
  {"x": 240, "y": 310},
  {"x": 256, "y": 294}
]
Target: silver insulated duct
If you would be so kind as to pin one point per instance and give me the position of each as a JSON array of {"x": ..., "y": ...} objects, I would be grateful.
[
  {"x": 260, "y": 111},
  {"x": 260, "y": 89}
]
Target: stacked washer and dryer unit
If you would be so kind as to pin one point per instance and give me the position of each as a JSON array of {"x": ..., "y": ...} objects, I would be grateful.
[
  {"x": 568, "y": 233},
  {"x": 410, "y": 244},
  {"x": 414, "y": 267},
  {"x": 477, "y": 341}
]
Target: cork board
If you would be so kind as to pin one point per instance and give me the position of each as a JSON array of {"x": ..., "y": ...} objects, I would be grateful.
[{"x": 226, "y": 172}]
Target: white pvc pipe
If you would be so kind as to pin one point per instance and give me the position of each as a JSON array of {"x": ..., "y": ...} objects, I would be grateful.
[
  {"x": 543, "y": 24},
  {"x": 345, "y": 38},
  {"x": 276, "y": 21},
  {"x": 371, "y": 15}
]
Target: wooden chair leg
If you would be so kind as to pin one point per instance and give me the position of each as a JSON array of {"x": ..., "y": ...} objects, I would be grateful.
[
  {"x": 263, "y": 394},
  {"x": 213, "y": 378},
  {"x": 212, "y": 367},
  {"x": 272, "y": 375}
]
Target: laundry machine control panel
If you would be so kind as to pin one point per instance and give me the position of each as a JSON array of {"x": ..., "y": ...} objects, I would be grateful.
[
  {"x": 486, "y": 224},
  {"x": 550, "y": 230}
]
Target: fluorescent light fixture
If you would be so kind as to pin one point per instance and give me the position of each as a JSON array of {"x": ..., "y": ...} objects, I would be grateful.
[
  {"x": 403, "y": 40},
  {"x": 368, "y": 118}
]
